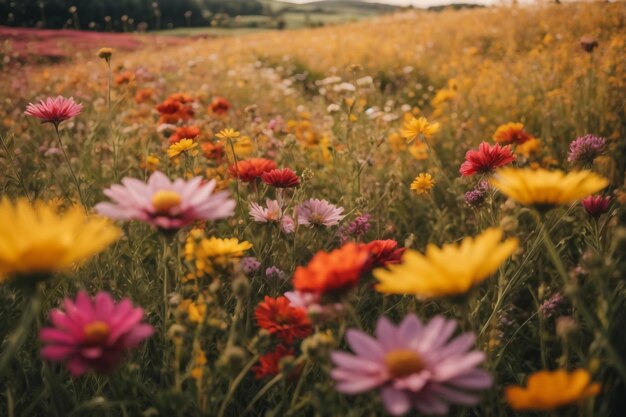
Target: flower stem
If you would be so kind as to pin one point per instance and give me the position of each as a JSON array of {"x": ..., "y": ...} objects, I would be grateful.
[
  {"x": 18, "y": 176},
  {"x": 69, "y": 165},
  {"x": 262, "y": 392},
  {"x": 235, "y": 384}
]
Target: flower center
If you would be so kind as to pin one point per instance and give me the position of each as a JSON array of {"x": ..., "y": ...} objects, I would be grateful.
[
  {"x": 316, "y": 218},
  {"x": 163, "y": 201},
  {"x": 96, "y": 332},
  {"x": 403, "y": 362}
]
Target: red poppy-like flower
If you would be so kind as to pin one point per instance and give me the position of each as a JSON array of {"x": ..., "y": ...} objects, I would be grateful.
[
  {"x": 283, "y": 320},
  {"x": 596, "y": 205},
  {"x": 54, "y": 109},
  {"x": 511, "y": 133},
  {"x": 281, "y": 178},
  {"x": 219, "y": 106},
  {"x": 383, "y": 252},
  {"x": 269, "y": 364},
  {"x": 251, "y": 169},
  {"x": 332, "y": 272},
  {"x": 486, "y": 159},
  {"x": 175, "y": 108},
  {"x": 125, "y": 78},
  {"x": 181, "y": 98},
  {"x": 184, "y": 132},
  {"x": 143, "y": 95},
  {"x": 212, "y": 150}
]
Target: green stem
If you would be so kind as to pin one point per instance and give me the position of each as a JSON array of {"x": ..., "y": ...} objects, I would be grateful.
[
  {"x": 262, "y": 392},
  {"x": 301, "y": 378},
  {"x": 235, "y": 384},
  {"x": 19, "y": 335},
  {"x": 69, "y": 164},
  {"x": 18, "y": 176}
]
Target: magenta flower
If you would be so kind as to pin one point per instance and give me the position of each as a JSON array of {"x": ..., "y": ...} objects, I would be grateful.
[
  {"x": 585, "y": 149},
  {"x": 316, "y": 212},
  {"x": 486, "y": 159},
  {"x": 596, "y": 205},
  {"x": 415, "y": 365},
  {"x": 93, "y": 333},
  {"x": 54, "y": 110},
  {"x": 166, "y": 204},
  {"x": 271, "y": 214}
]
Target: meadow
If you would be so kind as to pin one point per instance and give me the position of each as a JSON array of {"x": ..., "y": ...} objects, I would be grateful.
[{"x": 415, "y": 214}]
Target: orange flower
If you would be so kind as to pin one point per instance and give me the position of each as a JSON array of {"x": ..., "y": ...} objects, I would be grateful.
[
  {"x": 384, "y": 252},
  {"x": 281, "y": 319},
  {"x": 184, "y": 132},
  {"x": 124, "y": 78},
  {"x": 251, "y": 169},
  {"x": 333, "y": 272},
  {"x": 143, "y": 95},
  {"x": 181, "y": 98},
  {"x": 548, "y": 390},
  {"x": 172, "y": 111},
  {"x": 219, "y": 106},
  {"x": 511, "y": 133},
  {"x": 212, "y": 151}
]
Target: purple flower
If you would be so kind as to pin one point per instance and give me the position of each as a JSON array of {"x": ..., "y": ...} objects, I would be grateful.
[
  {"x": 271, "y": 214},
  {"x": 550, "y": 305},
  {"x": 250, "y": 264},
  {"x": 287, "y": 225},
  {"x": 315, "y": 212},
  {"x": 416, "y": 365},
  {"x": 478, "y": 195},
  {"x": 356, "y": 229},
  {"x": 166, "y": 204},
  {"x": 274, "y": 272},
  {"x": 585, "y": 149}
]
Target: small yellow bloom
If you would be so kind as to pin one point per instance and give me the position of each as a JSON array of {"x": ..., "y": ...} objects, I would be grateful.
[
  {"x": 243, "y": 147},
  {"x": 414, "y": 128},
  {"x": 38, "y": 240},
  {"x": 423, "y": 183},
  {"x": 543, "y": 188},
  {"x": 207, "y": 253},
  {"x": 151, "y": 163},
  {"x": 548, "y": 390},
  {"x": 528, "y": 148},
  {"x": 226, "y": 134},
  {"x": 180, "y": 147},
  {"x": 419, "y": 150},
  {"x": 105, "y": 53},
  {"x": 450, "y": 270}
]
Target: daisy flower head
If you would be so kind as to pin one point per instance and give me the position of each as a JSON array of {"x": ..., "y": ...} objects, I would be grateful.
[
  {"x": 166, "y": 204},
  {"x": 250, "y": 169},
  {"x": 36, "y": 240},
  {"x": 281, "y": 178},
  {"x": 228, "y": 134},
  {"x": 183, "y": 146},
  {"x": 511, "y": 133},
  {"x": 486, "y": 159},
  {"x": 184, "y": 132},
  {"x": 450, "y": 270},
  {"x": 93, "y": 334},
  {"x": 54, "y": 109},
  {"x": 423, "y": 183},
  {"x": 316, "y": 212},
  {"x": 283, "y": 320},
  {"x": 414, "y": 364},
  {"x": 418, "y": 128},
  {"x": 546, "y": 189},
  {"x": 549, "y": 390},
  {"x": 270, "y": 214}
]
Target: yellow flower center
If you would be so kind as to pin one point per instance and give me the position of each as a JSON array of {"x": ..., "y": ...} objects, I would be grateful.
[
  {"x": 164, "y": 200},
  {"x": 403, "y": 362},
  {"x": 96, "y": 332}
]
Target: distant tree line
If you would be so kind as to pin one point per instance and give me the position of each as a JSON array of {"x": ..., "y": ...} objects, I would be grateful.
[{"x": 122, "y": 15}]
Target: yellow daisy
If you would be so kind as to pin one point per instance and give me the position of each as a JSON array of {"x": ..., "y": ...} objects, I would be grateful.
[
  {"x": 450, "y": 270},
  {"x": 36, "y": 241},
  {"x": 207, "y": 253},
  {"x": 226, "y": 134},
  {"x": 423, "y": 183},
  {"x": 548, "y": 390},
  {"x": 414, "y": 128},
  {"x": 543, "y": 189},
  {"x": 182, "y": 146}
]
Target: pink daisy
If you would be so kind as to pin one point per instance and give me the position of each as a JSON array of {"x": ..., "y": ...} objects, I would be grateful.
[
  {"x": 93, "y": 333},
  {"x": 415, "y": 365},
  {"x": 54, "y": 110},
  {"x": 486, "y": 159},
  {"x": 319, "y": 212},
  {"x": 260, "y": 214},
  {"x": 166, "y": 204}
]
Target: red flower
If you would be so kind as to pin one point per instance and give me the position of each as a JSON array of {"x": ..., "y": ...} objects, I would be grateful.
[
  {"x": 175, "y": 108},
  {"x": 332, "y": 272},
  {"x": 54, "y": 109},
  {"x": 280, "y": 318},
  {"x": 384, "y": 252},
  {"x": 269, "y": 363},
  {"x": 219, "y": 105},
  {"x": 181, "y": 98},
  {"x": 486, "y": 159},
  {"x": 184, "y": 132},
  {"x": 212, "y": 150},
  {"x": 251, "y": 169},
  {"x": 596, "y": 205},
  {"x": 281, "y": 178}
]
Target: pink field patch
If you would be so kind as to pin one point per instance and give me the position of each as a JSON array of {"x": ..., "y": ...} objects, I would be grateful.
[{"x": 25, "y": 44}]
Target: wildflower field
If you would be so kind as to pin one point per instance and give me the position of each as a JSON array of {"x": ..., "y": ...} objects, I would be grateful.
[{"x": 415, "y": 214}]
